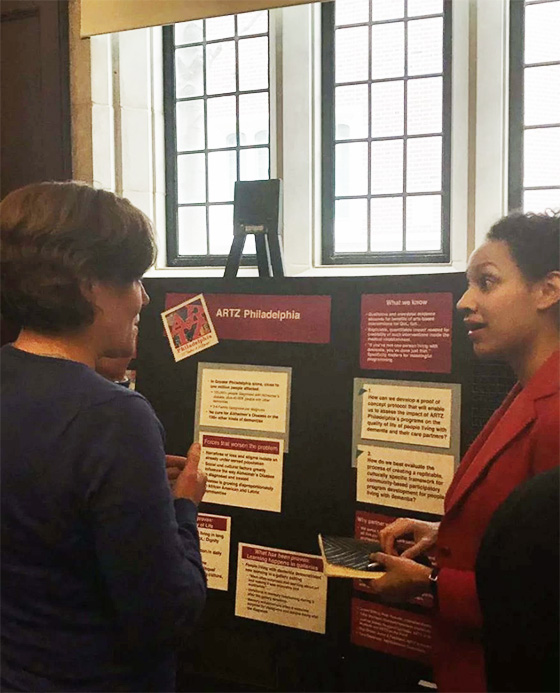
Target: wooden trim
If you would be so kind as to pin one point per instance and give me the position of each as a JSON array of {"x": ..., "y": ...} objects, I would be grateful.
[{"x": 108, "y": 16}]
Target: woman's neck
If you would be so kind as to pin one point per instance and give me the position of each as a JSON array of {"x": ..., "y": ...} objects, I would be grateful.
[
  {"x": 72, "y": 348},
  {"x": 526, "y": 365}
]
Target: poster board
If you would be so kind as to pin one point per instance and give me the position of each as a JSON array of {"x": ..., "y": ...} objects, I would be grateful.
[{"x": 323, "y": 349}]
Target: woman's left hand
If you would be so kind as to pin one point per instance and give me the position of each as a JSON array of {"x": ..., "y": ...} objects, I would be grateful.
[
  {"x": 174, "y": 465},
  {"x": 404, "y": 579}
]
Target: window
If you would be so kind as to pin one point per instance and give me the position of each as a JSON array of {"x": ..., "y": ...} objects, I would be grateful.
[
  {"x": 384, "y": 116},
  {"x": 386, "y": 131},
  {"x": 217, "y": 115},
  {"x": 534, "y": 161}
]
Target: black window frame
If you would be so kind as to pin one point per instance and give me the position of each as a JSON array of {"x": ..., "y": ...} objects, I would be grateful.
[
  {"x": 329, "y": 256},
  {"x": 516, "y": 123},
  {"x": 174, "y": 259}
]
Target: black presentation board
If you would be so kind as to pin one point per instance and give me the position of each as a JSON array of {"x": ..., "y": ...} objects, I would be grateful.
[{"x": 319, "y": 483}]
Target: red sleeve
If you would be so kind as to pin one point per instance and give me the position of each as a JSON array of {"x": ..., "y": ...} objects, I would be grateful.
[
  {"x": 457, "y": 597},
  {"x": 546, "y": 436}
]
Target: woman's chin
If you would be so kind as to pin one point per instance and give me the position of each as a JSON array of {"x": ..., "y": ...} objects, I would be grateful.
[{"x": 483, "y": 351}]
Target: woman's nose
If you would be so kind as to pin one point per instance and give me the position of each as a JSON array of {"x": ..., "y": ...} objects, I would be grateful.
[
  {"x": 145, "y": 297},
  {"x": 465, "y": 303}
]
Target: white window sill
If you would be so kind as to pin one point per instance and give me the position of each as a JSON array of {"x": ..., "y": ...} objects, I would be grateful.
[{"x": 334, "y": 271}]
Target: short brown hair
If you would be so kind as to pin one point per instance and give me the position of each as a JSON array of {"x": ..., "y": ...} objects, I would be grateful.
[{"x": 56, "y": 236}]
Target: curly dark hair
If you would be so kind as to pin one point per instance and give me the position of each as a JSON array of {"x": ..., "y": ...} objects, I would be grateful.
[
  {"x": 533, "y": 241},
  {"x": 57, "y": 237}
]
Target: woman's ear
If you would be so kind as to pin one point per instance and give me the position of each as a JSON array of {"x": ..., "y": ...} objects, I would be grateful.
[
  {"x": 548, "y": 291},
  {"x": 88, "y": 289}
]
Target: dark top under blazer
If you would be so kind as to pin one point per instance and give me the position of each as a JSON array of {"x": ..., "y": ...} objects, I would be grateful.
[
  {"x": 520, "y": 440},
  {"x": 518, "y": 580}
]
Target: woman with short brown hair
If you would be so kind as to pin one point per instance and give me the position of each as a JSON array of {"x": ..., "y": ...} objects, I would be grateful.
[{"x": 101, "y": 568}]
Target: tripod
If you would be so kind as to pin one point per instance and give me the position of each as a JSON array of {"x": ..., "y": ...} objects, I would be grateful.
[{"x": 257, "y": 210}]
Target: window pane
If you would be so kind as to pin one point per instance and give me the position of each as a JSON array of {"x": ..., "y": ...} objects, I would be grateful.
[
  {"x": 188, "y": 32},
  {"x": 387, "y": 109},
  {"x": 253, "y": 164},
  {"x": 351, "y": 54},
  {"x": 253, "y": 118},
  {"x": 192, "y": 231},
  {"x": 425, "y": 46},
  {"x": 222, "y": 174},
  {"x": 253, "y": 63},
  {"x": 221, "y": 228},
  {"x": 423, "y": 164},
  {"x": 387, "y": 9},
  {"x": 191, "y": 178},
  {"x": 220, "y": 67},
  {"x": 222, "y": 125},
  {"x": 190, "y": 125},
  {"x": 350, "y": 226},
  {"x": 351, "y": 11},
  {"x": 541, "y": 200},
  {"x": 387, "y": 50},
  {"x": 252, "y": 23},
  {"x": 387, "y": 167},
  {"x": 386, "y": 224},
  {"x": 221, "y": 122},
  {"x": 424, "y": 105},
  {"x": 423, "y": 222},
  {"x": 188, "y": 72},
  {"x": 250, "y": 247},
  {"x": 542, "y": 32},
  {"x": 351, "y": 175},
  {"x": 220, "y": 28},
  {"x": 542, "y": 157},
  {"x": 419, "y": 7},
  {"x": 352, "y": 112},
  {"x": 542, "y": 95}
]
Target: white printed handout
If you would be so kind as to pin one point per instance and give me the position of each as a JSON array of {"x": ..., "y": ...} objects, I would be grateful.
[
  {"x": 242, "y": 471},
  {"x": 403, "y": 479},
  {"x": 412, "y": 415},
  {"x": 215, "y": 532},
  {"x": 244, "y": 397},
  {"x": 282, "y": 587}
]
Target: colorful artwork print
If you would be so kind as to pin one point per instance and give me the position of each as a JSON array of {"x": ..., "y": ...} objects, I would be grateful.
[{"x": 189, "y": 328}]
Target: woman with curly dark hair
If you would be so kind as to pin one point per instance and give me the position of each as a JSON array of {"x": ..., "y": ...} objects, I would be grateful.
[
  {"x": 101, "y": 569},
  {"x": 511, "y": 313}
]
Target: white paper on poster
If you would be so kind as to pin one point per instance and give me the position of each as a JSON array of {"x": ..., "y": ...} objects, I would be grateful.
[
  {"x": 242, "y": 471},
  {"x": 407, "y": 415},
  {"x": 403, "y": 479},
  {"x": 252, "y": 399},
  {"x": 215, "y": 533},
  {"x": 282, "y": 587}
]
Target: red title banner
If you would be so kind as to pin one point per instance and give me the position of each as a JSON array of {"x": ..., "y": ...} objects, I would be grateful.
[
  {"x": 287, "y": 560},
  {"x": 212, "y": 522},
  {"x": 406, "y": 332},
  {"x": 243, "y": 444},
  {"x": 266, "y": 318}
]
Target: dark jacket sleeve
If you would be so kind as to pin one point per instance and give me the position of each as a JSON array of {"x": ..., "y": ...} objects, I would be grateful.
[{"x": 147, "y": 545}]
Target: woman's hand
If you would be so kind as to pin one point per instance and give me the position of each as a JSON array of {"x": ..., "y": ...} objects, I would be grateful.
[
  {"x": 404, "y": 579},
  {"x": 185, "y": 478},
  {"x": 174, "y": 466},
  {"x": 424, "y": 533}
]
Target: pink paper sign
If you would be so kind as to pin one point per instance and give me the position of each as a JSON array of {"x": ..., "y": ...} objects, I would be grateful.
[
  {"x": 406, "y": 332},
  {"x": 390, "y": 630},
  {"x": 267, "y": 318}
]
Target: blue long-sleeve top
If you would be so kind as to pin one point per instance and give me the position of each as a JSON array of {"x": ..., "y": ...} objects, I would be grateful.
[{"x": 101, "y": 574}]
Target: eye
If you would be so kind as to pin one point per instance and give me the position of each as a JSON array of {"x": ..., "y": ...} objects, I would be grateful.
[{"x": 486, "y": 282}]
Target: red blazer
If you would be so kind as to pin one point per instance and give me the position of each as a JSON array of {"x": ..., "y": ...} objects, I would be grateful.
[{"x": 521, "y": 439}]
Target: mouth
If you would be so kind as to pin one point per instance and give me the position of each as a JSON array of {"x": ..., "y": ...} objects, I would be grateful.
[{"x": 473, "y": 327}]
